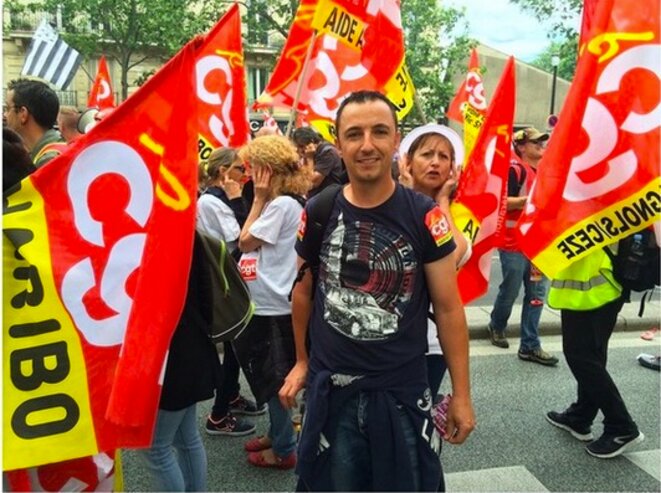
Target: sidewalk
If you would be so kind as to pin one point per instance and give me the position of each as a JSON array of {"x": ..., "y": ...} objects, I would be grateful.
[{"x": 628, "y": 319}]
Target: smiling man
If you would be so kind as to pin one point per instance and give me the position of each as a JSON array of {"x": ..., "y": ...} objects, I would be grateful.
[{"x": 385, "y": 253}]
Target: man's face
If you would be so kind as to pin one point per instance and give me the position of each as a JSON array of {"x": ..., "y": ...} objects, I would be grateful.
[
  {"x": 11, "y": 113},
  {"x": 367, "y": 139},
  {"x": 533, "y": 150}
]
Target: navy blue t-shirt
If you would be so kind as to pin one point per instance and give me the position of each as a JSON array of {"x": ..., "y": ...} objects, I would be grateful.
[{"x": 371, "y": 301}]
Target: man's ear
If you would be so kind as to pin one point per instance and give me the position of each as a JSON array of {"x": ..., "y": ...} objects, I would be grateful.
[{"x": 23, "y": 115}]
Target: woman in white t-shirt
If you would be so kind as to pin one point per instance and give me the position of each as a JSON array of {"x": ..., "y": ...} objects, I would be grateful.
[
  {"x": 268, "y": 265},
  {"x": 432, "y": 156}
]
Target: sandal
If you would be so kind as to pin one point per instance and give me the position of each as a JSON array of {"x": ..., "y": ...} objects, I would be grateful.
[
  {"x": 257, "y": 444},
  {"x": 257, "y": 459},
  {"x": 648, "y": 335}
]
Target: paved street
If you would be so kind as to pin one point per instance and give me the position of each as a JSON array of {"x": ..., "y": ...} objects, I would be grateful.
[{"x": 513, "y": 447}]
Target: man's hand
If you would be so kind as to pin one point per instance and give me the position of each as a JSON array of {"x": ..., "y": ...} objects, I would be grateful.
[
  {"x": 461, "y": 420},
  {"x": 294, "y": 382}
]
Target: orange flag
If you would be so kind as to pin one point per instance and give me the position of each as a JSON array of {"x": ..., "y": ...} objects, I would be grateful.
[
  {"x": 101, "y": 95},
  {"x": 97, "y": 254},
  {"x": 220, "y": 84},
  {"x": 350, "y": 35},
  {"x": 469, "y": 105},
  {"x": 479, "y": 208},
  {"x": 599, "y": 178}
]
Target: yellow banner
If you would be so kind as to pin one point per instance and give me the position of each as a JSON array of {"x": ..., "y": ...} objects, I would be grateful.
[
  {"x": 204, "y": 148},
  {"x": 46, "y": 410},
  {"x": 330, "y": 18},
  {"x": 473, "y": 121},
  {"x": 400, "y": 90},
  {"x": 326, "y": 128},
  {"x": 465, "y": 221},
  {"x": 627, "y": 216}
]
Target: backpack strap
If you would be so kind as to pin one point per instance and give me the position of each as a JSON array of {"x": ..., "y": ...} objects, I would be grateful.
[{"x": 318, "y": 214}]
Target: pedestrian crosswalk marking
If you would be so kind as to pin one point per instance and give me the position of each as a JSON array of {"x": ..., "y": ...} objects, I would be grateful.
[
  {"x": 648, "y": 460},
  {"x": 516, "y": 478}
]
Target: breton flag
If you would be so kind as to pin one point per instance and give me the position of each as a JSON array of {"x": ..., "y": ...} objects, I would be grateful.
[
  {"x": 101, "y": 95},
  {"x": 50, "y": 58}
]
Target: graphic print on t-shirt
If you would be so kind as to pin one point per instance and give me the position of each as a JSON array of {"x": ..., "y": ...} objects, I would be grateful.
[{"x": 368, "y": 279}]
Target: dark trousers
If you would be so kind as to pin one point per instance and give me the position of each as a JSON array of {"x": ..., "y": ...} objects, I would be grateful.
[
  {"x": 229, "y": 390},
  {"x": 585, "y": 336}
]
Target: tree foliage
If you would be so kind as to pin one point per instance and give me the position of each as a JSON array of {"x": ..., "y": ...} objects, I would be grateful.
[
  {"x": 437, "y": 47},
  {"x": 563, "y": 18},
  {"x": 131, "y": 31}
]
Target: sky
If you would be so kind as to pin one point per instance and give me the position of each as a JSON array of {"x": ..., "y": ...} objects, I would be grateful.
[{"x": 504, "y": 26}]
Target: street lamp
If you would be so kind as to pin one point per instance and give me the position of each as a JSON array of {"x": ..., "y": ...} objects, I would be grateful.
[{"x": 555, "y": 61}]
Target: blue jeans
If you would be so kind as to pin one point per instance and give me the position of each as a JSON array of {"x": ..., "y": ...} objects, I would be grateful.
[
  {"x": 187, "y": 469},
  {"x": 516, "y": 268},
  {"x": 281, "y": 429},
  {"x": 351, "y": 460}
]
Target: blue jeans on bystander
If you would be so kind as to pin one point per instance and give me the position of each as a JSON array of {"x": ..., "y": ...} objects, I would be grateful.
[
  {"x": 516, "y": 269},
  {"x": 187, "y": 469}
]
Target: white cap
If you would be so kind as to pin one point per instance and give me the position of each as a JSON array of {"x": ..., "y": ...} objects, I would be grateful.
[{"x": 435, "y": 128}]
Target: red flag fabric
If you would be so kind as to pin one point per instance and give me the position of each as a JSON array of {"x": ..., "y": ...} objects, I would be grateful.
[
  {"x": 479, "y": 208},
  {"x": 470, "y": 92},
  {"x": 97, "y": 252},
  {"x": 587, "y": 20},
  {"x": 599, "y": 178},
  {"x": 341, "y": 60},
  {"x": 101, "y": 95},
  {"x": 221, "y": 87}
]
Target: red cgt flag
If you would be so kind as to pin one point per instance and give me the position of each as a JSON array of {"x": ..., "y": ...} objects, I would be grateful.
[
  {"x": 471, "y": 92},
  {"x": 479, "y": 208},
  {"x": 221, "y": 87},
  {"x": 96, "y": 253},
  {"x": 101, "y": 95},
  {"x": 349, "y": 35},
  {"x": 599, "y": 178}
]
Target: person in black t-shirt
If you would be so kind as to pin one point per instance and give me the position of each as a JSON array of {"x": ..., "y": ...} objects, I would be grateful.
[{"x": 322, "y": 156}]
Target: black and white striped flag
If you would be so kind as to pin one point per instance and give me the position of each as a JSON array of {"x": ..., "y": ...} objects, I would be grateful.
[{"x": 50, "y": 58}]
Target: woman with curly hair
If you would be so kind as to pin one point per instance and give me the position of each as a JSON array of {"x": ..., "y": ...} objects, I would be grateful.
[{"x": 268, "y": 264}]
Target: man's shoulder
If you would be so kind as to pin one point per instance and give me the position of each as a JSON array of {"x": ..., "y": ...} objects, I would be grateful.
[{"x": 50, "y": 145}]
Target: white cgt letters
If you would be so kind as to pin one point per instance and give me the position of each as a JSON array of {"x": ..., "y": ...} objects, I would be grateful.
[
  {"x": 602, "y": 129},
  {"x": 125, "y": 255},
  {"x": 221, "y": 128}
]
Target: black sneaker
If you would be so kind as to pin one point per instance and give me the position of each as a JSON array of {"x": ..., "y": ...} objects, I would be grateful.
[
  {"x": 229, "y": 426},
  {"x": 561, "y": 420},
  {"x": 609, "y": 446},
  {"x": 538, "y": 356},
  {"x": 498, "y": 338},
  {"x": 244, "y": 406},
  {"x": 650, "y": 361}
]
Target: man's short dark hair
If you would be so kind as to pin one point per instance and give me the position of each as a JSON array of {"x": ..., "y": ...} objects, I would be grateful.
[
  {"x": 40, "y": 100},
  {"x": 305, "y": 135},
  {"x": 362, "y": 97}
]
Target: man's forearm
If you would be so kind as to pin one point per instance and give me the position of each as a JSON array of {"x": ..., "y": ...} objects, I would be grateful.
[{"x": 453, "y": 336}]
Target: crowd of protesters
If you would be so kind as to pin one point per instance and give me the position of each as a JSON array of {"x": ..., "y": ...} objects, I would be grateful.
[{"x": 343, "y": 301}]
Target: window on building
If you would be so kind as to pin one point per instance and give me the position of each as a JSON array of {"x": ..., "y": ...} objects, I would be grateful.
[{"x": 257, "y": 79}]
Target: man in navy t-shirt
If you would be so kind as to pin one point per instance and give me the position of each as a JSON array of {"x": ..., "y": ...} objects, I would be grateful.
[{"x": 385, "y": 255}]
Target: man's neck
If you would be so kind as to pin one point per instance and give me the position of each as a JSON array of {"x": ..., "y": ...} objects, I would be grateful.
[
  {"x": 31, "y": 135},
  {"x": 369, "y": 195}
]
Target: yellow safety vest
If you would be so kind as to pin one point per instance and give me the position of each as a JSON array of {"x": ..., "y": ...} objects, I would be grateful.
[{"x": 585, "y": 285}]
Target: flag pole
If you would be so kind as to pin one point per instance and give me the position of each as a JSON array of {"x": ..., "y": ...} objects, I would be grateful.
[{"x": 300, "y": 84}]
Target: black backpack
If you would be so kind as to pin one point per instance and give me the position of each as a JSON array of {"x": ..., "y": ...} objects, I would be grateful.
[
  {"x": 318, "y": 215},
  {"x": 636, "y": 264},
  {"x": 231, "y": 304}
]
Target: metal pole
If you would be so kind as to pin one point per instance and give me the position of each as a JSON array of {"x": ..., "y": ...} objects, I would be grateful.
[
  {"x": 300, "y": 84},
  {"x": 555, "y": 77}
]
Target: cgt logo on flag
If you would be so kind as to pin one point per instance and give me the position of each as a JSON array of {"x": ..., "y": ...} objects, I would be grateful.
[{"x": 50, "y": 58}]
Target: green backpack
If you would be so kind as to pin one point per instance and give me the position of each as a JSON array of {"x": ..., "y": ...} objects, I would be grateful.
[{"x": 231, "y": 304}]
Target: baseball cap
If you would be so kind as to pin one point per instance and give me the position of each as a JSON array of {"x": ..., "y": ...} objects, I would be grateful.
[
  {"x": 529, "y": 134},
  {"x": 435, "y": 128}
]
